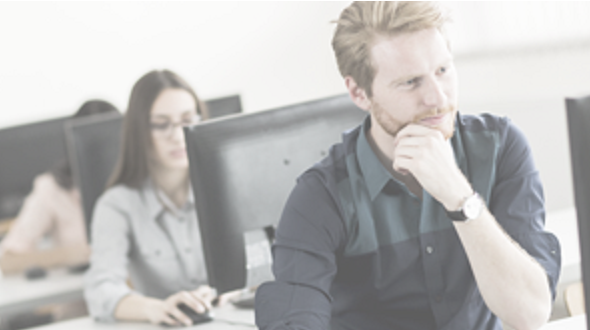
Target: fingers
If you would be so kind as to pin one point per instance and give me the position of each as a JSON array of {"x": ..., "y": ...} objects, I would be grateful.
[
  {"x": 403, "y": 165},
  {"x": 412, "y": 143},
  {"x": 172, "y": 311},
  {"x": 224, "y": 298},
  {"x": 205, "y": 293},
  {"x": 169, "y": 320},
  {"x": 198, "y": 300},
  {"x": 196, "y": 303},
  {"x": 414, "y": 130}
]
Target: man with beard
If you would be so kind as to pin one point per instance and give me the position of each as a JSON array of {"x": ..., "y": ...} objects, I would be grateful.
[{"x": 422, "y": 218}]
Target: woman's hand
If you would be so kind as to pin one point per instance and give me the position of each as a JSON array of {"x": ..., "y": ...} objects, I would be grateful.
[
  {"x": 229, "y": 296},
  {"x": 167, "y": 311}
]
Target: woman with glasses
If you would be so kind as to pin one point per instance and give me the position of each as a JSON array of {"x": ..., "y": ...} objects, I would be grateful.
[{"x": 147, "y": 257}]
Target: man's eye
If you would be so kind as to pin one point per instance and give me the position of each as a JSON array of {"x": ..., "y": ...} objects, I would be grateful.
[
  {"x": 410, "y": 82},
  {"x": 442, "y": 69}
]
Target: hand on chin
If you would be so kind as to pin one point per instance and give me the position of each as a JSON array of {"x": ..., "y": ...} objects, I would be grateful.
[{"x": 428, "y": 156}]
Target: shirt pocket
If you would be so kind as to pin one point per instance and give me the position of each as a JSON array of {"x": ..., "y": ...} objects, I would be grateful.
[
  {"x": 158, "y": 253},
  {"x": 161, "y": 263}
]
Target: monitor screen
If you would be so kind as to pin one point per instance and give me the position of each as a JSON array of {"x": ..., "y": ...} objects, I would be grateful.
[
  {"x": 578, "y": 118},
  {"x": 242, "y": 170},
  {"x": 27, "y": 151}
]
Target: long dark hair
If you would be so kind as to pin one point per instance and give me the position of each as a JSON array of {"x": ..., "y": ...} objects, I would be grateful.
[
  {"x": 62, "y": 173},
  {"x": 132, "y": 166}
]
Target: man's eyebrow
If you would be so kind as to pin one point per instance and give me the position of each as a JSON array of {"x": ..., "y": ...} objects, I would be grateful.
[
  {"x": 395, "y": 82},
  {"x": 398, "y": 81}
]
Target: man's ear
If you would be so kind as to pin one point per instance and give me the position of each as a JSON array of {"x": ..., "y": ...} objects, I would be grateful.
[{"x": 357, "y": 94}]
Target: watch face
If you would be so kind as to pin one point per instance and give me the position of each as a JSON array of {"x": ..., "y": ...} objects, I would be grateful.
[{"x": 472, "y": 207}]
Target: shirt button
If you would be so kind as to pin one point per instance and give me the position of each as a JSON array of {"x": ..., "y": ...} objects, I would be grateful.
[
  {"x": 438, "y": 298},
  {"x": 187, "y": 250},
  {"x": 429, "y": 249},
  {"x": 157, "y": 252}
]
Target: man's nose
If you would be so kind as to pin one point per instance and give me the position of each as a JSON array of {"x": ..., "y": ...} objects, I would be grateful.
[{"x": 433, "y": 94}]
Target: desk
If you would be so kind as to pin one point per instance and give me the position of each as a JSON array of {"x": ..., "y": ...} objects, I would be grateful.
[
  {"x": 564, "y": 224},
  {"x": 17, "y": 294},
  {"x": 225, "y": 318},
  {"x": 570, "y": 323}
]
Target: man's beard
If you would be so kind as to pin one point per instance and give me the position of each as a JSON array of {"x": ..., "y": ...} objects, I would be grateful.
[{"x": 392, "y": 126}]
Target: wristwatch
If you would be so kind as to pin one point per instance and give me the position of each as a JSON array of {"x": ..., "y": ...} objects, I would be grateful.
[{"x": 471, "y": 209}]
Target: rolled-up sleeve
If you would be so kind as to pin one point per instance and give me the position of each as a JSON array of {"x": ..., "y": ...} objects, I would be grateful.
[
  {"x": 518, "y": 204},
  {"x": 105, "y": 281},
  {"x": 308, "y": 237}
]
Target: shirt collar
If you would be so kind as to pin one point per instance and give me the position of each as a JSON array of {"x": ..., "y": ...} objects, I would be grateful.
[
  {"x": 374, "y": 173},
  {"x": 158, "y": 202},
  {"x": 457, "y": 144}
]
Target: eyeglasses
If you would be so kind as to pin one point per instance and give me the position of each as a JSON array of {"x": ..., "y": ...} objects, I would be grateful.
[{"x": 166, "y": 128}]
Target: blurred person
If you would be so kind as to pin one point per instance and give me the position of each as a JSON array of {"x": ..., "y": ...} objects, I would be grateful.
[
  {"x": 53, "y": 208},
  {"x": 145, "y": 226},
  {"x": 50, "y": 231}
]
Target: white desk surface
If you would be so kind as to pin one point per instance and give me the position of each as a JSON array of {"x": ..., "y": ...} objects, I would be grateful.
[
  {"x": 564, "y": 224},
  {"x": 233, "y": 319},
  {"x": 19, "y": 294},
  {"x": 570, "y": 323},
  {"x": 225, "y": 318}
]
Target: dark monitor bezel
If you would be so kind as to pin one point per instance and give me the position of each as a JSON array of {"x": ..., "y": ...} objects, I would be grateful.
[
  {"x": 578, "y": 120},
  {"x": 219, "y": 107},
  {"x": 89, "y": 192},
  {"x": 224, "y": 106},
  {"x": 206, "y": 145},
  {"x": 28, "y": 150}
]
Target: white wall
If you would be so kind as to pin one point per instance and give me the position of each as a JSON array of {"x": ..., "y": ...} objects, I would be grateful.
[
  {"x": 517, "y": 59},
  {"x": 55, "y": 55},
  {"x": 521, "y": 59}
]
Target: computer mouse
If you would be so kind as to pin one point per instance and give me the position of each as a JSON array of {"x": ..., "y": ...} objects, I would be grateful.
[
  {"x": 79, "y": 268},
  {"x": 193, "y": 315},
  {"x": 33, "y": 273}
]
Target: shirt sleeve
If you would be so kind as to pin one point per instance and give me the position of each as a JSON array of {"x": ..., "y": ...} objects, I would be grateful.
[
  {"x": 105, "y": 281},
  {"x": 518, "y": 204},
  {"x": 35, "y": 218},
  {"x": 308, "y": 237}
]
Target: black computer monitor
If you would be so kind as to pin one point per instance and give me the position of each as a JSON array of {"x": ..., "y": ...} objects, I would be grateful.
[
  {"x": 223, "y": 106},
  {"x": 242, "y": 170},
  {"x": 93, "y": 147},
  {"x": 578, "y": 119},
  {"x": 25, "y": 152}
]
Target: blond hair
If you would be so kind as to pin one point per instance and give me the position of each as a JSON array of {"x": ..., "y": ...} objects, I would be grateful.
[{"x": 361, "y": 23}]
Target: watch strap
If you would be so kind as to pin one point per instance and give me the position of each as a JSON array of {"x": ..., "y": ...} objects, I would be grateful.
[{"x": 461, "y": 215}]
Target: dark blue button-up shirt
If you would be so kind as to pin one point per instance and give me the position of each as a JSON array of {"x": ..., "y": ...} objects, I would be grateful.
[{"x": 355, "y": 249}]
